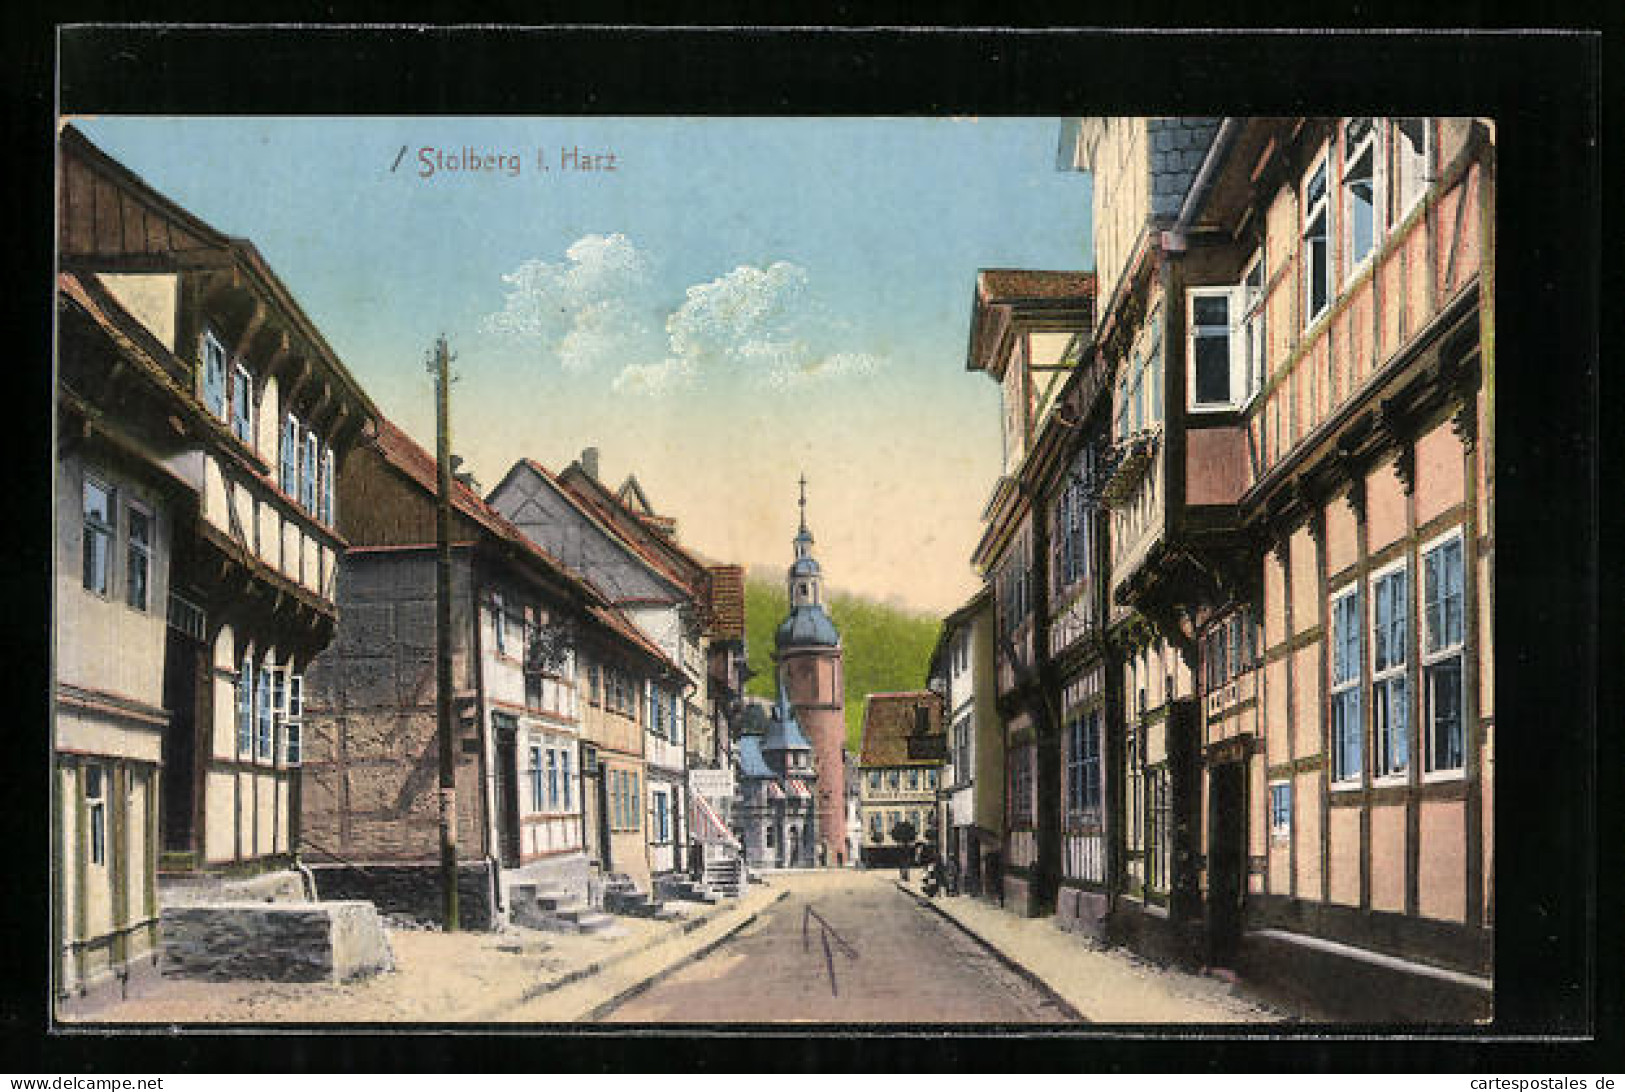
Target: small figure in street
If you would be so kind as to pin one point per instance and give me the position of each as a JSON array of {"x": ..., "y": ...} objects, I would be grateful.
[{"x": 951, "y": 876}]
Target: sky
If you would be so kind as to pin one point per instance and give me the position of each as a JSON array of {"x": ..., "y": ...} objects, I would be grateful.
[{"x": 735, "y": 303}]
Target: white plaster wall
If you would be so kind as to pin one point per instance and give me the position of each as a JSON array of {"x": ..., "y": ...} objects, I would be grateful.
[{"x": 149, "y": 298}]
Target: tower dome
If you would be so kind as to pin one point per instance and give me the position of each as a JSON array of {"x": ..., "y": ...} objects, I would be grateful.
[{"x": 807, "y": 623}]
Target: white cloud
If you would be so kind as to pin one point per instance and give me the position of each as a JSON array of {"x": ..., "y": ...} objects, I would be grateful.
[{"x": 759, "y": 325}]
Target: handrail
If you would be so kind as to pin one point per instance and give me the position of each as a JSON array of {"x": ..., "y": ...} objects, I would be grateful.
[{"x": 305, "y": 840}]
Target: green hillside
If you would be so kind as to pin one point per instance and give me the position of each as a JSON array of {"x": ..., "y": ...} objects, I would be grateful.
[{"x": 886, "y": 648}]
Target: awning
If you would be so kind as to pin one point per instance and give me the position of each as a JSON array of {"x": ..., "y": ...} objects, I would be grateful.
[
  {"x": 799, "y": 788},
  {"x": 774, "y": 792},
  {"x": 708, "y": 825}
]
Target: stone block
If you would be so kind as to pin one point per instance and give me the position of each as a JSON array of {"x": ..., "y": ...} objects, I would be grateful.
[{"x": 282, "y": 942}]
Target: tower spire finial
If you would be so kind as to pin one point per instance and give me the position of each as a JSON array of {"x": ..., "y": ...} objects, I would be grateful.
[{"x": 803, "y": 500}]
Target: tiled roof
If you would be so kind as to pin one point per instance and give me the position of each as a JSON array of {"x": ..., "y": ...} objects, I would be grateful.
[
  {"x": 658, "y": 551},
  {"x": 728, "y": 602},
  {"x": 890, "y": 720}
]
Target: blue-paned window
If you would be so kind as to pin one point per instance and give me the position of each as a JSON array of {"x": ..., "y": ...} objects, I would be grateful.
[
  {"x": 1443, "y": 644},
  {"x": 1347, "y": 729},
  {"x": 1390, "y": 699}
]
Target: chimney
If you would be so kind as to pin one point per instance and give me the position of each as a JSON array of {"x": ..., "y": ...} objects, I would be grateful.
[{"x": 589, "y": 462}]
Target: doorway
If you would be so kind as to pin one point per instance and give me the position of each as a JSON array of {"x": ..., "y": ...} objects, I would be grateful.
[
  {"x": 507, "y": 788},
  {"x": 1227, "y": 860}
]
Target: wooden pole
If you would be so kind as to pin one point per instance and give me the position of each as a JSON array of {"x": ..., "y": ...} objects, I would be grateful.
[{"x": 444, "y": 723}]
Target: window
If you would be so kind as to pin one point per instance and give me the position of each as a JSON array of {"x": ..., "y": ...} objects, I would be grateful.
[
  {"x": 264, "y": 735},
  {"x": 662, "y": 831},
  {"x": 98, "y": 536},
  {"x": 1443, "y": 638},
  {"x": 894, "y": 780},
  {"x": 499, "y": 624},
  {"x": 930, "y": 779},
  {"x": 1021, "y": 787},
  {"x": 565, "y": 780},
  {"x": 1210, "y": 355},
  {"x": 139, "y": 561},
  {"x": 874, "y": 780},
  {"x": 1160, "y": 835},
  {"x": 1359, "y": 190},
  {"x": 1346, "y": 657},
  {"x": 242, "y": 397},
  {"x": 636, "y": 803},
  {"x": 914, "y": 780},
  {"x": 552, "y": 779},
  {"x": 289, "y": 466},
  {"x": 1390, "y": 704},
  {"x": 245, "y": 708},
  {"x": 1072, "y": 526},
  {"x": 214, "y": 374},
  {"x": 96, "y": 811},
  {"x": 1083, "y": 766},
  {"x": 1280, "y": 810},
  {"x": 1253, "y": 344},
  {"x": 293, "y": 718},
  {"x": 1015, "y": 585},
  {"x": 1412, "y": 141},
  {"x": 309, "y": 464},
  {"x": 1317, "y": 252},
  {"x": 325, "y": 514},
  {"x": 962, "y": 755},
  {"x": 537, "y": 799},
  {"x": 875, "y": 833}
]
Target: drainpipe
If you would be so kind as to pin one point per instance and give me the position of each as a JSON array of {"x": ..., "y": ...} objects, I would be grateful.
[{"x": 1202, "y": 185}]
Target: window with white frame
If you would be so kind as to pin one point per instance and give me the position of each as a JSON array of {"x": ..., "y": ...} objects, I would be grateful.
[
  {"x": 309, "y": 471},
  {"x": 553, "y": 796},
  {"x": 138, "y": 559},
  {"x": 288, "y": 472},
  {"x": 293, "y": 718},
  {"x": 499, "y": 623},
  {"x": 96, "y": 811},
  {"x": 245, "y": 708},
  {"x": 566, "y": 782},
  {"x": 325, "y": 508},
  {"x": 1317, "y": 250},
  {"x": 914, "y": 779},
  {"x": 876, "y": 834},
  {"x": 1361, "y": 202},
  {"x": 962, "y": 734},
  {"x": 1280, "y": 810},
  {"x": 1253, "y": 345},
  {"x": 214, "y": 374},
  {"x": 1443, "y": 641},
  {"x": 264, "y": 723},
  {"x": 242, "y": 401},
  {"x": 538, "y": 794},
  {"x": 874, "y": 780},
  {"x": 662, "y": 816},
  {"x": 1390, "y": 701},
  {"x": 98, "y": 507},
  {"x": 1347, "y": 732},
  {"x": 1411, "y": 143}
]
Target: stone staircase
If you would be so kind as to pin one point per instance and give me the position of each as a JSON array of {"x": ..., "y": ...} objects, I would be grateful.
[
  {"x": 553, "y": 910},
  {"x": 621, "y": 896},
  {"x": 726, "y": 877},
  {"x": 682, "y": 889}
]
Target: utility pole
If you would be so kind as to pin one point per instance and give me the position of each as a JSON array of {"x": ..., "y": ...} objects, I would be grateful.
[{"x": 445, "y": 726}]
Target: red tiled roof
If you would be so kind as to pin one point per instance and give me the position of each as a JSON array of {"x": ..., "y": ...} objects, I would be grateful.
[
  {"x": 889, "y": 721},
  {"x": 659, "y": 552}
]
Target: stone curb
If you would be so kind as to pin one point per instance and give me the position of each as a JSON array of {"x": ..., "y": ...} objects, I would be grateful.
[
  {"x": 998, "y": 953},
  {"x": 603, "y": 1009}
]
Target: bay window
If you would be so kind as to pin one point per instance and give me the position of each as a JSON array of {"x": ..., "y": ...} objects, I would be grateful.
[
  {"x": 1443, "y": 640},
  {"x": 1347, "y": 730}
]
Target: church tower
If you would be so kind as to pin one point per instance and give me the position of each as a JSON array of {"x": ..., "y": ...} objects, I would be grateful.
[{"x": 807, "y": 650}]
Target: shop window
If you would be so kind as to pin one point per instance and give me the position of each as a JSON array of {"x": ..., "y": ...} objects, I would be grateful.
[{"x": 1443, "y": 641}]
